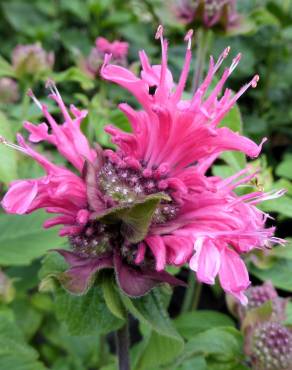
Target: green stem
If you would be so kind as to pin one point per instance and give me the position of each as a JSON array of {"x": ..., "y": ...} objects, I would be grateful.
[
  {"x": 203, "y": 41},
  {"x": 122, "y": 347},
  {"x": 196, "y": 296},
  {"x": 187, "y": 303}
]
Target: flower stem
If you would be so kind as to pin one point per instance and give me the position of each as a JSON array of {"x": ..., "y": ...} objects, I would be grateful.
[
  {"x": 203, "y": 41},
  {"x": 122, "y": 347},
  {"x": 187, "y": 303}
]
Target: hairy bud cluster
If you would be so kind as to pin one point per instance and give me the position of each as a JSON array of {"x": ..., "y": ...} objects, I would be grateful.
[
  {"x": 272, "y": 347},
  {"x": 126, "y": 185}
]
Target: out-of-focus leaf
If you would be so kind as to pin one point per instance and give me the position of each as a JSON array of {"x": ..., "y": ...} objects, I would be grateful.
[
  {"x": 191, "y": 323},
  {"x": 14, "y": 352},
  {"x": 279, "y": 273},
  {"x": 223, "y": 346},
  {"x": 162, "y": 342},
  {"x": 284, "y": 169},
  {"x": 6, "y": 69},
  {"x": 281, "y": 205},
  {"x": 22, "y": 238},
  {"x": 112, "y": 296},
  {"x": 8, "y": 162},
  {"x": 76, "y": 75}
]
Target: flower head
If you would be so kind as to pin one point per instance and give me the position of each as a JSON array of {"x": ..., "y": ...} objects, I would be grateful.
[
  {"x": 118, "y": 50},
  {"x": 31, "y": 59},
  {"x": 150, "y": 204},
  {"x": 208, "y": 12},
  {"x": 271, "y": 347}
]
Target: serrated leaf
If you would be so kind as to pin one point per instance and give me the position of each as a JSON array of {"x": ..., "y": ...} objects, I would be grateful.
[
  {"x": 191, "y": 323},
  {"x": 222, "y": 346},
  {"x": 23, "y": 238},
  {"x": 83, "y": 315},
  {"x": 8, "y": 162},
  {"x": 284, "y": 168},
  {"x": 163, "y": 343},
  {"x": 282, "y": 205}
]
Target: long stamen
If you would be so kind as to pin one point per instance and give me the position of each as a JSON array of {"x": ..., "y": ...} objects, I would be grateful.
[
  {"x": 4, "y": 141},
  {"x": 33, "y": 97},
  {"x": 50, "y": 84}
]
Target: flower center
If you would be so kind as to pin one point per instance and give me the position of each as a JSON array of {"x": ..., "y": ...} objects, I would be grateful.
[{"x": 126, "y": 185}]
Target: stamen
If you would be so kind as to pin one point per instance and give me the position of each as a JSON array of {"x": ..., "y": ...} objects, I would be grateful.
[
  {"x": 234, "y": 63},
  {"x": 255, "y": 81},
  {"x": 159, "y": 32},
  {"x": 221, "y": 58},
  {"x": 188, "y": 38},
  {"x": 50, "y": 84},
  {"x": 33, "y": 97},
  {"x": 4, "y": 141}
]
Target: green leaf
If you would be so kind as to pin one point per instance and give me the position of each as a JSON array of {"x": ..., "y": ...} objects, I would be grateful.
[
  {"x": 136, "y": 219},
  {"x": 83, "y": 315},
  {"x": 15, "y": 354},
  {"x": 282, "y": 205},
  {"x": 6, "y": 69},
  {"x": 284, "y": 168},
  {"x": 76, "y": 75},
  {"x": 233, "y": 120},
  {"x": 23, "y": 238},
  {"x": 112, "y": 296},
  {"x": 191, "y": 323},
  {"x": 279, "y": 273},
  {"x": 8, "y": 162},
  {"x": 28, "y": 319},
  {"x": 162, "y": 342},
  {"x": 283, "y": 251},
  {"x": 222, "y": 345},
  {"x": 195, "y": 363}
]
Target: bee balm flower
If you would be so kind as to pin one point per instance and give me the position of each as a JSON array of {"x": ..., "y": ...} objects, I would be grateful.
[{"x": 149, "y": 204}]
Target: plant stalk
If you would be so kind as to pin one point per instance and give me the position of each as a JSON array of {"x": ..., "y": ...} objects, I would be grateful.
[
  {"x": 122, "y": 347},
  {"x": 203, "y": 41}
]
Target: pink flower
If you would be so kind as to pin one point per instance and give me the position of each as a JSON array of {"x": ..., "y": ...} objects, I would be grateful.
[
  {"x": 118, "y": 50},
  {"x": 198, "y": 219}
]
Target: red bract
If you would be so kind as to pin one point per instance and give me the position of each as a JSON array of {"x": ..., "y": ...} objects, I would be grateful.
[{"x": 188, "y": 217}]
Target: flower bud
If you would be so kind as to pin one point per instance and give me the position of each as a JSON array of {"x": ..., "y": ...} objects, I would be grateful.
[
  {"x": 31, "y": 59},
  {"x": 271, "y": 347},
  {"x": 209, "y": 13},
  {"x": 8, "y": 90},
  {"x": 258, "y": 295}
]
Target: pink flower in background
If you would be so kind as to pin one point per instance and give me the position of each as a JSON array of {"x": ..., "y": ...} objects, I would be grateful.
[
  {"x": 207, "y": 12},
  {"x": 31, "y": 59},
  {"x": 196, "y": 219},
  {"x": 118, "y": 50}
]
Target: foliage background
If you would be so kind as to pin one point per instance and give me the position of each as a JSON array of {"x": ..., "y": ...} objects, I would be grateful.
[{"x": 37, "y": 331}]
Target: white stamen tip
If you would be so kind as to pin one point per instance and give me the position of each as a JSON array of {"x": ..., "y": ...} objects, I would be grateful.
[
  {"x": 50, "y": 84},
  {"x": 33, "y": 97},
  {"x": 159, "y": 32},
  {"x": 4, "y": 141},
  {"x": 255, "y": 81},
  {"x": 188, "y": 38},
  {"x": 226, "y": 52}
]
